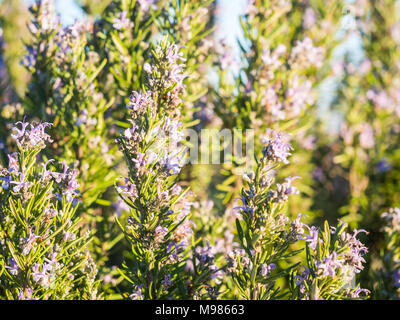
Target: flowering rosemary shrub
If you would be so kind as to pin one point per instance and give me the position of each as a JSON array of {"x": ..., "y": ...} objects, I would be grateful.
[
  {"x": 63, "y": 90},
  {"x": 158, "y": 228},
  {"x": 334, "y": 257},
  {"x": 43, "y": 252},
  {"x": 265, "y": 232}
]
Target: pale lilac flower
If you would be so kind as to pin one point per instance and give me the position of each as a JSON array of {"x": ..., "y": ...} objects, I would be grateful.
[
  {"x": 137, "y": 293},
  {"x": 69, "y": 236},
  {"x": 271, "y": 60},
  {"x": 282, "y": 191},
  {"x": 204, "y": 254},
  {"x": 250, "y": 8},
  {"x": 347, "y": 133},
  {"x": 145, "y": 5},
  {"x": 366, "y": 138},
  {"x": 129, "y": 132},
  {"x": 244, "y": 207},
  {"x": 84, "y": 119},
  {"x": 140, "y": 102},
  {"x": 173, "y": 54},
  {"x": 120, "y": 206},
  {"x": 300, "y": 278},
  {"x": 46, "y": 174},
  {"x": 297, "y": 228},
  {"x": 358, "y": 291},
  {"x": 171, "y": 165},
  {"x": 29, "y": 242},
  {"x": 304, "y": 54},
  {"x": 33, "y": 137},
  {"x": 42, "y": 277},
  {"x": 381, "y": 99},
  {"x": 167, "y": 281},
  {"x": 329, "y": 264},
  {"x": 72, "y": 186},
  {"x": 182, "y": 233},
  {"x": 288, "y": 185},
  {"x": 271, "y": 102},
  {"x": 7, "y": 180},
  {"x": 13, "y": 162},
  {"x": 25, "y": 295},
  {"x": 129, "y": 190},
  {"x": 309, "y": 18},
  {"x": 298, "y": 96},
  {"x": 277, "y": 147},
  {"x": 21, "y": 184},
  {"x": 140, "y": 161},
  {"x": 392, "y": 219},
  {"x": 312, "y": 237},
  {"x": 122, "y": 21},
  {"x": 266, "y": 269},
  {"x": 176, "y": 190},
  {"x": 147, "y": 67},
  {"x": 13, "y": 266},
  {"x": 356, "y": 249},
  {"x": 48, "y": 18}
]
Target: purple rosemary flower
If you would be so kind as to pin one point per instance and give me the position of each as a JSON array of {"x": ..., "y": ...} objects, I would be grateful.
[
  {"x": 266, "y": 269},
  {"x": 29, "y": 242},
  {"x": 22, "y": 184},
  {"x": 271, "y": 61},
  {"x": 32, "y": 138},
  {"x": 289, "y": 189},
  {"x": 277, "y": 147},
  {"x": 244, "y": 207},
  {"x": 367, "y": 140},
  {"x": 71, "y": 192},
  {"x": 204, "y": 255},
  {"x": 282, "y": 191},
  {"x": 358, "y": 291},
  {"x": 69, "y": 236},
  {"x": 7, "y": 180},
  {"x": 120, "y": 206},
  {"x": 309, "y": 18},
  {"x": 304, "y": 54},
  {"x": 26, "y": 294},
  {"x": 298, "y": 96},
  {"x": 300, "y": 278},
  {"x": 140, "y": 102},
  {"x": 145, "y": 5},
  {"x": 13, "y": 162},
  {"x": 392, "y": 219},
  {"x": 128, "y": 190},
  {"x": 297, "y": 228},
  {"x": 122, "y": 21},
  {"x": 13, "y": 266},
  {"x": 329, "y": 265},
  {"x": 140, "y": 161},
  {"x": 137, "y": 293},
  {"x": 383, "y": 166},
  {"x": 272, "y": 104},
  {"x": 167, "y": 281},
  {"x": 42, "y": 277},
  {"x": 312, "y": 237}
]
